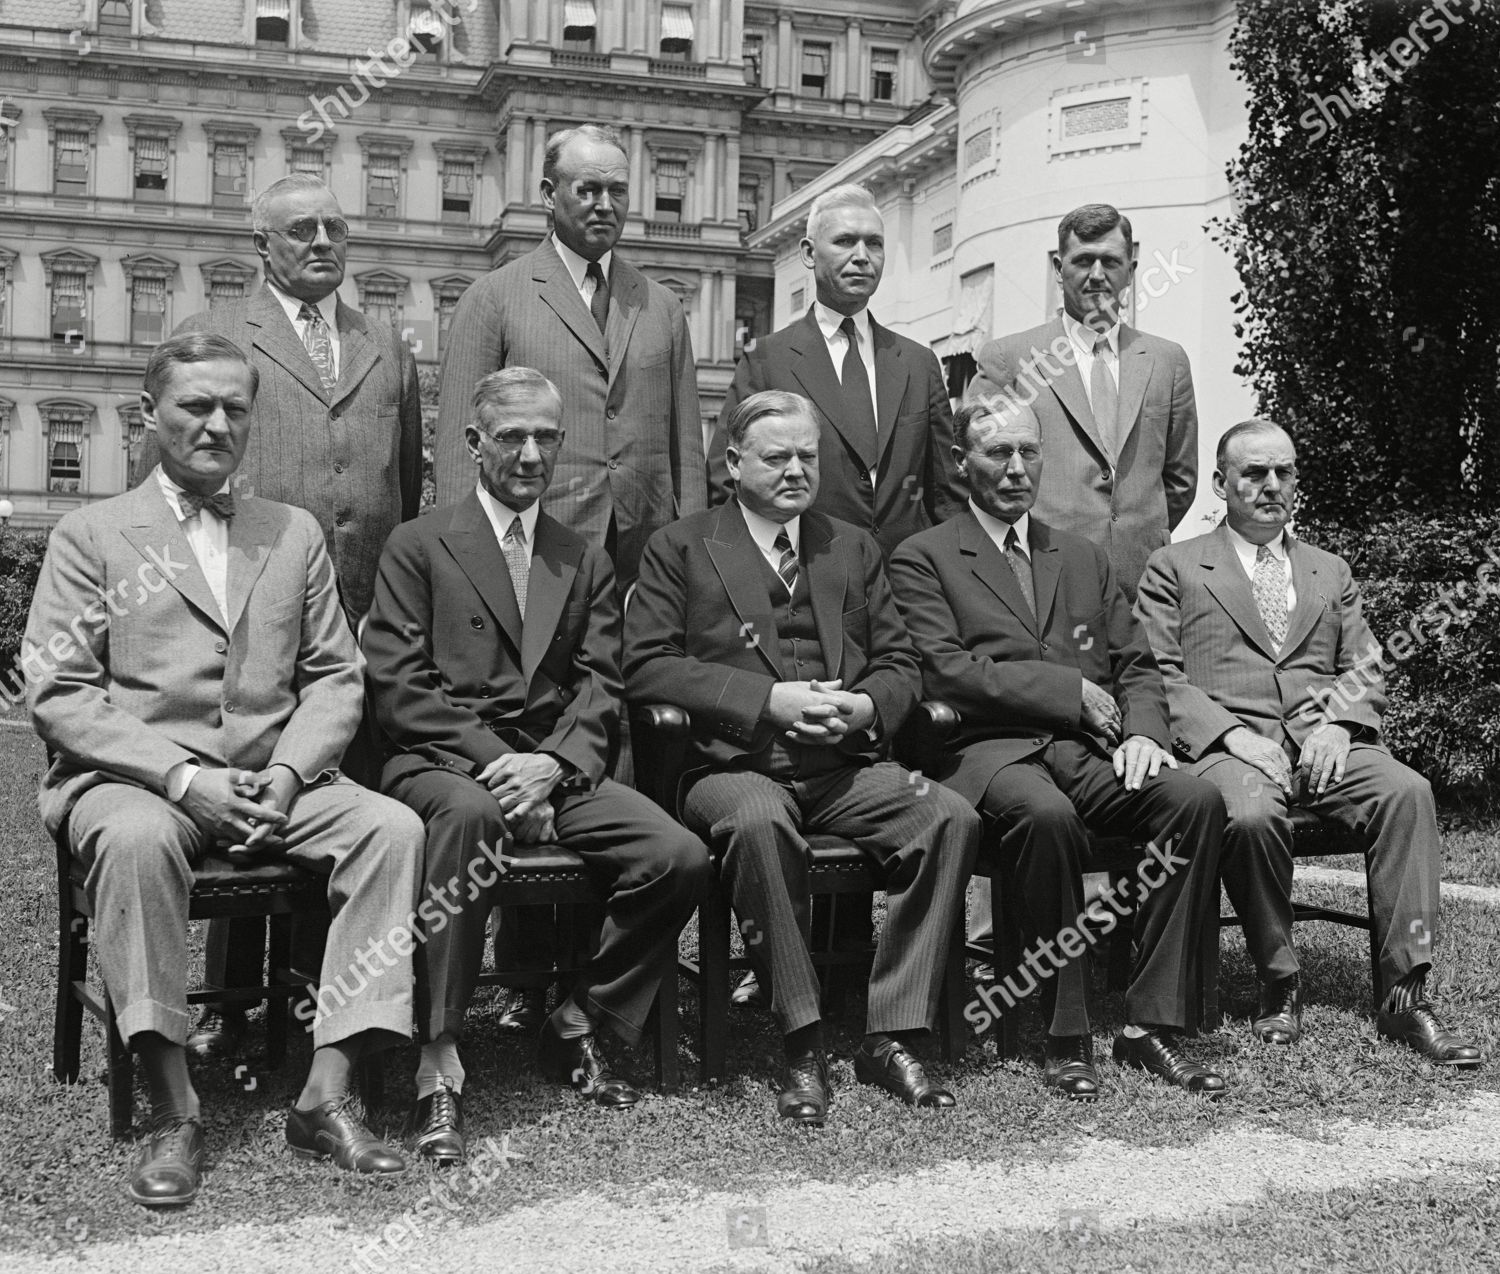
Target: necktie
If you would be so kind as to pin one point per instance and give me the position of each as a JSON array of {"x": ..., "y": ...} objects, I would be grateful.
[
  {"x": 1020, "y": 564},
  {"x": 859, "y": 405},
  {"x": 599, "y": 302},
  {"x": 221, "y": 503},
  {"x": 319, "y": 345},
  {"x": 518, "y": 560},
  {"x": 786, "y": 567},
  {"x": 1105, "y": 397},
  {"x": 1269, "y": 586}
]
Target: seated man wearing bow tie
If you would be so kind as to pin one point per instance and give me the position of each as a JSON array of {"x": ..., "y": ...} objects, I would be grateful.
[
  {"x": 198, "y": 684},
  {"x": 493, "y": 649},
  {"x": 1275, "y": 687}
]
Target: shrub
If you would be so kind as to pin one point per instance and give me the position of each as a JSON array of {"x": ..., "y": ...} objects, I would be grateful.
[{"x": 21, "y": 555}]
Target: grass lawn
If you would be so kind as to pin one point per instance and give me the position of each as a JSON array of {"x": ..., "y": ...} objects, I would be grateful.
[{"x": 61, "y": 1177}]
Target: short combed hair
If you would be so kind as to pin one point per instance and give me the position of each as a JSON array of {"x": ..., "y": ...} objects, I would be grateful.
[
  {"x": 769, "y": 402},
  {"x": 845, "y": 196},
  {"x": 594, "y": 132},
  {"x": 192, "y": 347},
  {"x": 1000, "y": 407},
  {"x": 260, "y": 220},
  {"x": 513, "y": 387},
  {"x": 1255, "y": 425},
  {"x": 1090, "y": 222}
]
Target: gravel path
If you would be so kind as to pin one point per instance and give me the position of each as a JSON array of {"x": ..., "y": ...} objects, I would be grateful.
[{"x": 786, "y": 1227}]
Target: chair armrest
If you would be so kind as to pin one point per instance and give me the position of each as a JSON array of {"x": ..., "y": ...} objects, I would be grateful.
[
  {"x": 921, "y": 740},
  {"x": 665, "y": 718},
  {"x": 659, "y": 738}
]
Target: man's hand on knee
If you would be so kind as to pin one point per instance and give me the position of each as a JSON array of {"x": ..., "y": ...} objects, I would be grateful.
[
  {"x": 214, "y": 802},
  {"x": 1245, "y": 745},
  {"x": 1324, "y": 756},
  {"x": 1139, "y": 759},
  {"x": 534, "y": 827}
]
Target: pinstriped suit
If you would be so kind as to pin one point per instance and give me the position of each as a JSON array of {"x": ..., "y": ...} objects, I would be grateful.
[
  {"x": 702, "y": 588},
  {"x": 634, "y": 451}
]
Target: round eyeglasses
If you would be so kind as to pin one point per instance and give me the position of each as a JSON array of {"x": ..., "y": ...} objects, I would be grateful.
[{"x": 305, "y": 229}]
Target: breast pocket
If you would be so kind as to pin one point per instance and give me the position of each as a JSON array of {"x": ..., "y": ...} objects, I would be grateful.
[{"x": 283, "y": 610}]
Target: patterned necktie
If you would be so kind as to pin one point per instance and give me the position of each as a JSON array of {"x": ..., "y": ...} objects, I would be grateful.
[
  {"x": 221, "y": 503},
  {"x": 1269, "y": 586},
  {"x": 859, "y": 405},
  {"x": 786, "y": 567},
  {"x": 319, "y": 345},
  {"x": 1105, "y": 397},
  {"x": 518, "y": 560},
  {"x": 599, "y": 302},
  {"x": 1020, "y": 564}
]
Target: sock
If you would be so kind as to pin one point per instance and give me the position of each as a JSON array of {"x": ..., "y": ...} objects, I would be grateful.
[
  {"x": 328, "y": 1076},
  {"x": 569, "y": 1020},
  {"x": 439, "y": 1062},
  {"x": 804, "y": 1040},
  {"x": 1411, "y": 989},
  {"x": 167, "y": 1080}
]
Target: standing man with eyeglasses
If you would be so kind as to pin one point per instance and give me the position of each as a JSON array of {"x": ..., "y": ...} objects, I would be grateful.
[{"x": 337, "y": 431}]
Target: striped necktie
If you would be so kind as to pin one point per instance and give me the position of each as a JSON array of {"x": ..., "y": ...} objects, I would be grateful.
[
  {"x": 1020, "y": 566},
  {"x": 786, "y": 567},
  {"x": 1105, "y": 396}
]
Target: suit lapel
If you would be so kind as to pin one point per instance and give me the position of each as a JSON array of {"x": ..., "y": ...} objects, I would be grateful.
[
  {"x": 156, "y": 534},
  {"x": 251, "y": 537},
  {"x": 275, "y": 336},
  {"x": 813, "y": 369},
  {"x": 1226, "y": 580},
  {"x": 1046, "y": 566},
  {"x": 554, "y": 564},
  {"x": 358, "y": 352},
  {"x": 737, "y": 559},
  {"x": 626, "y": 292},
  {"x": 471, "y": 540},
  {"x": 827, "y": 581},
  {"x": 1310, "y": 599},
  {"x": 555, "y": 287},
  {"x": 891, "y": 376},
  {"x": 1135, "y": 371},
  {"x": 991, "y": 569},
  {"x": 1068, "y": 386}
]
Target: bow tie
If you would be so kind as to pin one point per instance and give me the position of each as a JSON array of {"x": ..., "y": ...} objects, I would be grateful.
[{"x": 222, "y": 503}]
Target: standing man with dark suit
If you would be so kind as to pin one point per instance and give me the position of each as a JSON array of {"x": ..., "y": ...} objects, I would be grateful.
[
  {"x": 338, "y": 432},
  {"x": 493, "y": 649},
  {"x": 887, "y": 431},
  {"x": 209, "y": 705},
  {"x": 1024, "y": 631},
  {"x": 613, "y": 341},
  {"x": 1276, "y": 691},
  {"x": 774, "y": 627}
]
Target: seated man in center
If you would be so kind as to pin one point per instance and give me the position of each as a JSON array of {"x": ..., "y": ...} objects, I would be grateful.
[
  {"x": 774, "y": 627},
  {"x": 493, "y": 649},
  {"x": 1024, "y": 630}
]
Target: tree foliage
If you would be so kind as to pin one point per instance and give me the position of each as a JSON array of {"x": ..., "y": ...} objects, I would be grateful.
[{"x": 1367, "y": 240}]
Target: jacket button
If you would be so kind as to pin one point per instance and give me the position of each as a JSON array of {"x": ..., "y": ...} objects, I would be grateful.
[
  {"x": 1104, "y": 475},
  {"x": 610, "y": 414},
  {"x": 614, "y": 464},
  {"x": 220, "y": 647},
  {"x": 476, "y": 622},
  {"x": 338, "y": 468},
  {"x": 341, "y": 519},
  {"x": 229, "y": 707},
  {"x": 1045, "y": 646}
]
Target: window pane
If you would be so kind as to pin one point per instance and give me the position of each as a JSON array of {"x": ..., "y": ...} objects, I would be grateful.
[
  {"x": 114, "y": 17},
  {"x": 72, "y": 173},
  {"x": 64, "y": 454},
  {"x": 883, "y": 75},
  {"x": 231, "y": 172},
  {"x": 222, "y": 292},
  {"x": 309, "y": 160},
  {"x": 148, "y": 307},
  {"x": 815, "y": 59},
  {"x": 382, "y": 185},
  {"x": 68, "y": 292}
]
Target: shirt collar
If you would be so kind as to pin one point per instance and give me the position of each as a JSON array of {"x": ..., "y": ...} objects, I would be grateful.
[
  {"x": 502, "y": 515},
  {"x": 1084, "y": 337},
  {"x": 829, "y": 322},
  {"x": 1248, "y": 551},
  {"x": 578, "y": 266},
  {"x": 171, "y": 490},
  {"x": 764, "y": 531},
  {"x": 328, "y": 307},
  {"x": 998, "y": 530}
]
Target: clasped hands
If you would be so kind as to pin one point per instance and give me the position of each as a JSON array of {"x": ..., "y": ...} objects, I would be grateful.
[
  {"x": 1325, "y": 753},
  {"x": 820, "y": 713},
  {"x": 1136, "y": 758},
  {"x": 243, "y": 811},
  {"x": 522, "y": 783}
]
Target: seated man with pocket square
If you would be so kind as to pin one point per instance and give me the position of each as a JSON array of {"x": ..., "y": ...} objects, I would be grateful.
[
  {"x": 773, "y": 626},
  {"x": 1276, "y": 690},
  {"x": 198, "y": 684},
  {"x": 493, "y": 648}
]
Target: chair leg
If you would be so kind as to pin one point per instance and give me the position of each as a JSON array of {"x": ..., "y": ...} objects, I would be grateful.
[
  {"x": 121, "y": 1075},
  {"x": 955, "y": 994},
  {"x": 278, "y": 968},
  {"x": 1007, "y": 946},
  {"x": 713, "y": 985},
  {"x": 1209, "y": 1016},
  {"x": 1374, "y": 947},
  {"x": 665, "y": 1029},
  {"x": 72, "y": 965}
]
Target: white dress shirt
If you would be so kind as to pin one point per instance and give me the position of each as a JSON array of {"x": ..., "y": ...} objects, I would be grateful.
[
  {"x": 1247, "y": 551},
  {"x": 502, "y": 515},
  {"x": 829, "y": 322},
  {"x": 998, "y": 530},
  {"x": 1084, "y": 339},
  {"x": 578, "y": 269},
  {"x": 328, "y": 307},
  {"x": 764, "y": 532}
]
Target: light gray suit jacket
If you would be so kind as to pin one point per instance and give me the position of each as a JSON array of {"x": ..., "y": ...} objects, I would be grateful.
[
  {"x": 634, "y": 448},
  {"x": 1129, "y": 505},
  {"x": 1219, "y": 665},
  {"x": 131, "y": 667}
]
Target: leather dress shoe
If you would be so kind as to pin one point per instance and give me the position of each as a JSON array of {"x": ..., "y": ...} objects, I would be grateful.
[
  {"x": 748, "y": 995},
  {"x": 897, "y": 1070},
  {"x": 333, "y": 1129},
  {"x": 219, "y": 1033},
  {"x": 437, "y": 1125},
  {"x": 1419, "y": 1028},
  {"x": 1070, "y": 1067},
  {"x": 1280, "y": 1020},
  {"x": 805, "y": 1091},
  {"x": 579, "y": 1062},
  {"x": 167, "y": 1172},
  {"x": 524, "y": 1010},
  {"x": 1157, "y": 1052}
]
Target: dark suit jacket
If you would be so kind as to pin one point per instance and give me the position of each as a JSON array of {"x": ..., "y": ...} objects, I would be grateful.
[
  {"x": 1220, "y": 668},
  {"x": 700, "y": 631},
  {"x": 635, "y": 435},
  {"x": 456, "y": 679},
  {"x": 353, "y": 458},
  {"x": 1130, "y": 506},
  {"x": 916, "y": 483},
  {"x": 1017, "y": 682}
]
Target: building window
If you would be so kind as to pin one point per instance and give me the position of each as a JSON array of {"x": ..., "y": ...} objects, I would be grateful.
[
  {"x": 64, "y": 452},
  {"x": 580, "y": 26},
  {"x": 69, "y": 290},
  {"x": 425, "y": 29},
  {"x": 978, "y": 148},
  {"x": 883, "y": 75},
  {"x": 942, "y": 239},
  {"x": 799, "y": 299},
  {"x": 749, "y": 206},
  {"x": 445, "y": 296},
  {"x": 1089, "y": 118},
  {"x": 132, "y": 429},
  {"x": 752, "y": 53},
  {"x": 114, "y": 17},
  {"x": 5, "y": 122},
  {"x": 458, "y": 190},
  {"x": 223, "y": 292},
  {"x": 815, "y": 61},
  {"x": 308, "y": 160},
  {"x": 71, "y": 174},
  {"x": 231, "y": 174},
  {"x": 958, "y": 370},
  {"x": 382, "y": 185},
  {"x": 381, "y": 304},
  {"x": 225, "y": 282},
  {"x": 148, "y": 310},
  {"x": 273, "y": 22},
  {"x": 677, "y": 32},
  {"x": 671, "y": 185},
  {"x": 151, "y": 167}
]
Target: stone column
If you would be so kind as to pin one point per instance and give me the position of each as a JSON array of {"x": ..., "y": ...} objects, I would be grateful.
[
  {"x": 538, "y": 153},
  {"x": 712, "y": 42},
  {"x": 637, "y": 143},
  {"x": 784, "y": 66},
  {"x": 515, "y": 162},
  {"x": 852, "y": 80}
]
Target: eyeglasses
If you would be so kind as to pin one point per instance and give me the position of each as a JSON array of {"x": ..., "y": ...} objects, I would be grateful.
[
  {"x": 305, "y": 229},
  {"x": 1001, "y": 455},
  {"x": 547, "y": 440}
]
